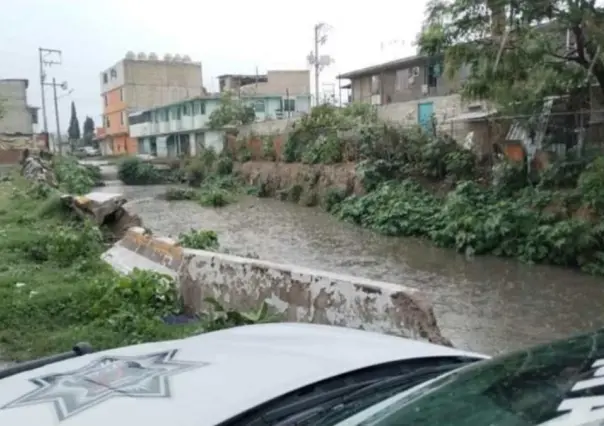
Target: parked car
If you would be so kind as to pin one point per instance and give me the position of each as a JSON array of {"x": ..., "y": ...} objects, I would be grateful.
[
  {"x": 87, "y": 151},
  {"x": 308, "y": 375}
]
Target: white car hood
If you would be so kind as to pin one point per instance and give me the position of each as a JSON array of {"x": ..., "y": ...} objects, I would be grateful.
[{"x": 198, "y": 381}]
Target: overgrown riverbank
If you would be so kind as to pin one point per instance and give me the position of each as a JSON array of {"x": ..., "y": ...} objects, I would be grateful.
[
  {"x": 403, "y": 182},
  {"x": 55, "y": 290}
]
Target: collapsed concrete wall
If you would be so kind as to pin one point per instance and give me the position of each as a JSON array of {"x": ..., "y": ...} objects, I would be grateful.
[
  {"x": 299, "y": 294},
  {"x": 101, "y": 207}
]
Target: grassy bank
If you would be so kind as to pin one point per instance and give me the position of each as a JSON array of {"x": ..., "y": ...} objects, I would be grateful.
[{"x": 55, "y": 290}]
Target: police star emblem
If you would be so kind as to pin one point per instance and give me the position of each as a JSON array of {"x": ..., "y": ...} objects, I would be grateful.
[{"x": 71, "y": 393}]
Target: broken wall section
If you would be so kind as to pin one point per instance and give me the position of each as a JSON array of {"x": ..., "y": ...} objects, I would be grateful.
[{"x": 298, "y": 294}]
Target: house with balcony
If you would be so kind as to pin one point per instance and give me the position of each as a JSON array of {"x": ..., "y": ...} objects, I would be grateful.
[{"x": 181, "y": 128}]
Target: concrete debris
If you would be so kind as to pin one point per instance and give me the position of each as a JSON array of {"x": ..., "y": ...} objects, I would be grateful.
[
  {"x": 103, "y": 208},
  {"x": 95, "y": 205},
  {"x": 36, "y": 169}
]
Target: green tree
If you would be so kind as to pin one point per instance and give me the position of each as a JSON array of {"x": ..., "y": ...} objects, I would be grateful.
[
  {"x": 74, "y": 125},
  {"x": 514, "y": 51},
  {"x": 88, "y": 131},
  {"x": 231, "y": 112}
]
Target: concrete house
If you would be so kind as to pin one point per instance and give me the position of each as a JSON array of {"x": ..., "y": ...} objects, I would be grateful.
[
  {"x": 412, "y": 90},
  {"x": 287, "y": 91},
  {"x": 17, "y": 117},
  {"x": 139, "y": 82},
  {"x": 181, "y": 128}
]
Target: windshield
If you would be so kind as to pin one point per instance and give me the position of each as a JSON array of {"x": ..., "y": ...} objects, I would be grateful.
[{"x": 555, "y": 384}]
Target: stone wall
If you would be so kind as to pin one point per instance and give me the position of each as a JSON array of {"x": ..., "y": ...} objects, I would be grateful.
[{"x": 298, "y": 294}]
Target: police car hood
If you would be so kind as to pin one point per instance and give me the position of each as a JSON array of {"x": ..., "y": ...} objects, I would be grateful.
[{"x": 198, "y": 381}]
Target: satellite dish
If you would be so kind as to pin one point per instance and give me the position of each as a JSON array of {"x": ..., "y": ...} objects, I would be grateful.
[
  {"x": 153, "y": 56},
  {"x": 130, "y": 55},
  {"x": 142, "y": 56},
  {"x": 177, "y": 58},
  {"x": 167, "y": 57}
]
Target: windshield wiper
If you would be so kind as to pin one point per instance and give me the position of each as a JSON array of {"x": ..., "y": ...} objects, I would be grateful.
[
  {"x": 78, "y": 350},
  {"x": 365, "y": 395}
]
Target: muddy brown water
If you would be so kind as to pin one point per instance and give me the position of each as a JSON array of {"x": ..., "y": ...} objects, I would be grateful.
[{"x": 483, "y": 304}]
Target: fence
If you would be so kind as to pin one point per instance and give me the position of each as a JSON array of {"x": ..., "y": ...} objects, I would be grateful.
[{"x": 486, "y": 135}]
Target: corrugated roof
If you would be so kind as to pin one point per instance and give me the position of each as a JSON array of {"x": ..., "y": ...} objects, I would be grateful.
[
  {"x": 472, "y": 115},
  {"x": 384, "y": 66}
]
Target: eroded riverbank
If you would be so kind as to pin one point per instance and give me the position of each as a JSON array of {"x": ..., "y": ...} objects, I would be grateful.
[{"x": 485, "y": 304}]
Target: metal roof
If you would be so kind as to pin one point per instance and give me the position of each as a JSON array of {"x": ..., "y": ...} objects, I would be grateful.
[
  {"x": 397, "y": 64},
  {"x": 472, "y": 115}
]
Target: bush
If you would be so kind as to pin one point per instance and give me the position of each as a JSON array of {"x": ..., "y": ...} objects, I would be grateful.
[
  {"x": 473, "y": 220},
  {"x": 180, "y": 194},
  {"x": 199, "y": 240},
  {"x": 73, "y": 177},
  {"x": 214, "y": 197},
  {"x": 135, "y": 171},
  {"x": 224, "y": 166},
  {"x": 591, "y": 185}
]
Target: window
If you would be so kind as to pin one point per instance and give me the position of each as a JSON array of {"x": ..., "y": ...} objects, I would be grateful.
[
  {"x": 154, "y": 116},
  {"x": 113, "y": 73},
  {"x": 122, "y": 94},
  {"x": 105, "y": 79},
  {"x": 186, "y": 110},
  {"x": 123, "y": 118},
  {"x": 199, "y": 108},
  {"x": 288, "y": 105},
  {"x": 144, "y": 117},
  {"x": 259, "y": 106},
  {"x": 107, "y": 122},
  {"x": 105, "y": 100},
  {"x": 402, "y": 80},
  {"x": 434, "y": 73},
  {"x": 178, "y": 112},
  {"x": 164, "y": 115},
  {"x": 375, "y": 85}
]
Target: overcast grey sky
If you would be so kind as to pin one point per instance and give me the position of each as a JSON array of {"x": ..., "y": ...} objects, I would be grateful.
[{"x": 233, "y": 36}]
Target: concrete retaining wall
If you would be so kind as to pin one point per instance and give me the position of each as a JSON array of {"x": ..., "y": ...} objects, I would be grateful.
[{"x": 300, "y": 294}]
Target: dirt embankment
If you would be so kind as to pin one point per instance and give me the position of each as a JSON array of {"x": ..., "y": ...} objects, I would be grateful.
[{"x": 311, "y": 181}]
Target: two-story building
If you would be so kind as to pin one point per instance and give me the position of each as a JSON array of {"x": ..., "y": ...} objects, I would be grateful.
[
  {"x": 181, "y": 128},
  {"x": 412, "y": 90}
]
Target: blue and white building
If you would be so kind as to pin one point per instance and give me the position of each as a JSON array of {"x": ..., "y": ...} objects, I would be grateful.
[{"x": 181, "y": 128}]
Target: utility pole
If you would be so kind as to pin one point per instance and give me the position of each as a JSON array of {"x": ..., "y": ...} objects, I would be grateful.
[
  {"x": 63, "y": 86},
  {"x": 54, "y": 95},
  {"x": 44, "y": 61},
  {"x": 315, "y": 60},
  {"x": 317, "y": 66}
]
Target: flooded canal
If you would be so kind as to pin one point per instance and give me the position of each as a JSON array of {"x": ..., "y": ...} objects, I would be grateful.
[{"x": 485, "y": 304}]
